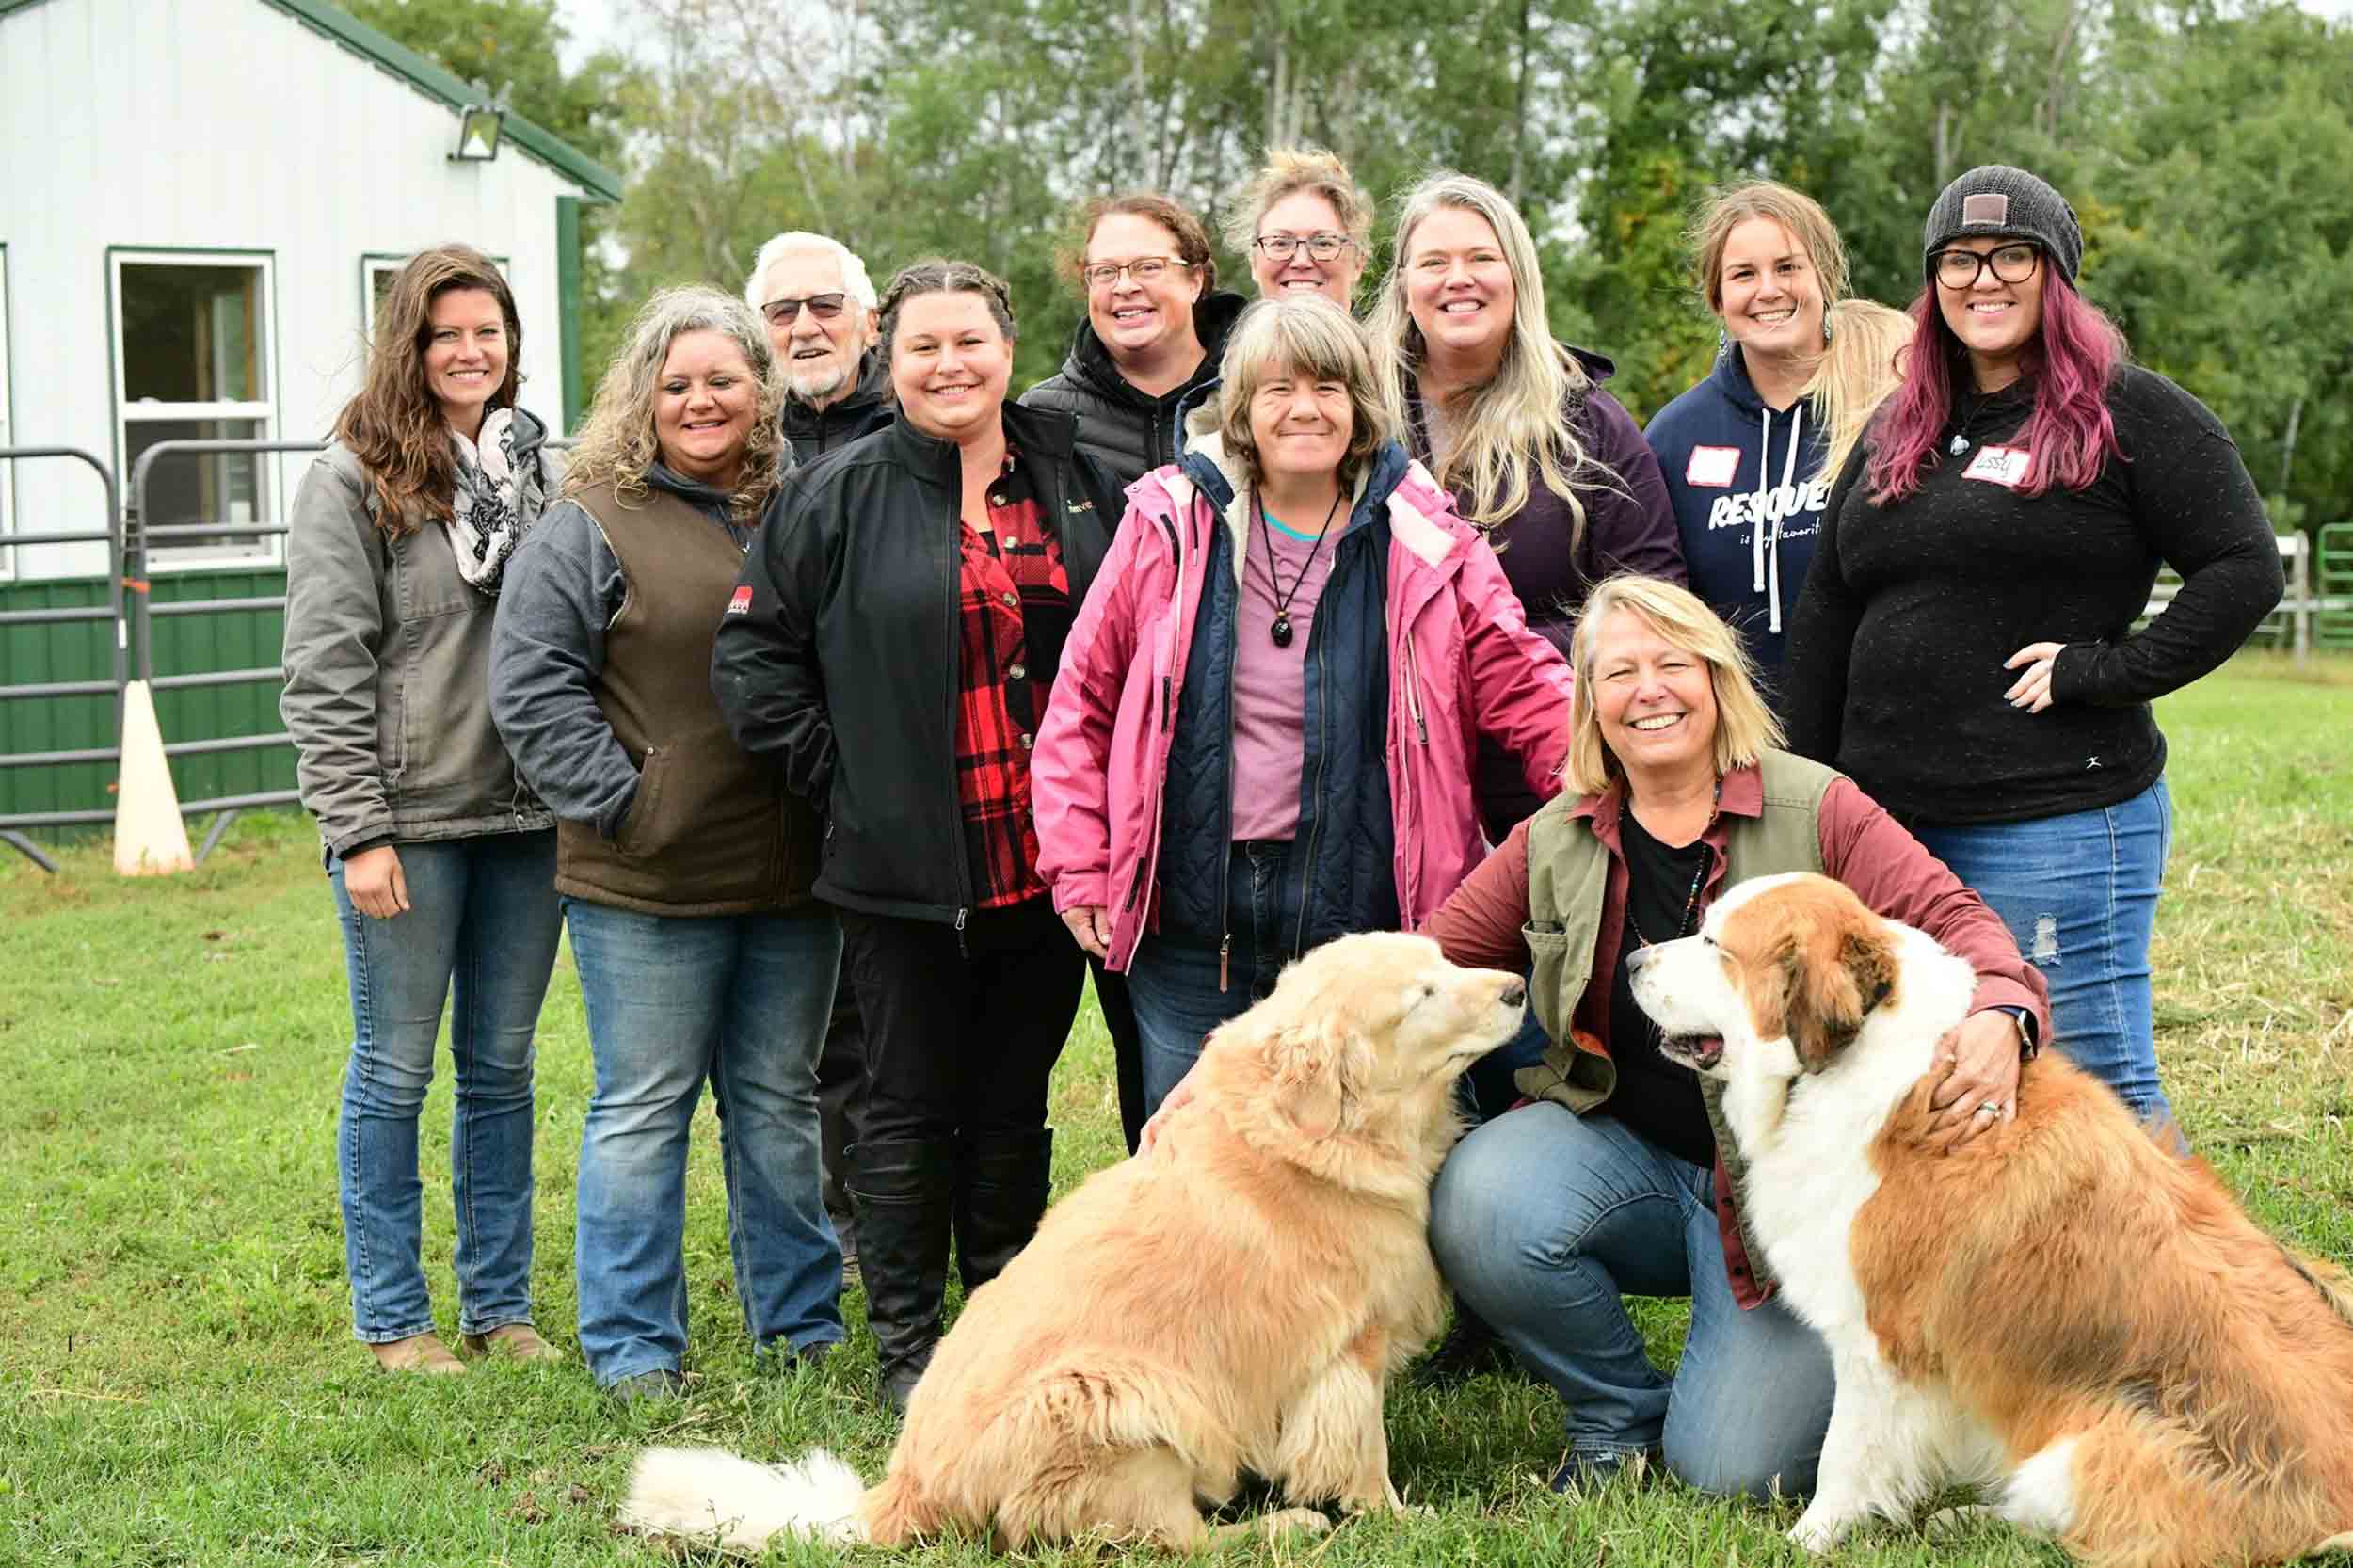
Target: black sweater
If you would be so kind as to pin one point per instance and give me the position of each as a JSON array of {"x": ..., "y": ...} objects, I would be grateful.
[{"x": 1895, "y": 671}]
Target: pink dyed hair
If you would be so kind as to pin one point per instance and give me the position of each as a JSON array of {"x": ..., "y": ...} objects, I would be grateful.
[{"x": 2070, "y": 434}]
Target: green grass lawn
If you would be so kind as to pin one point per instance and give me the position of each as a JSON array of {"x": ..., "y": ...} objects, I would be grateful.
[{"x": 179, "y": 1384}]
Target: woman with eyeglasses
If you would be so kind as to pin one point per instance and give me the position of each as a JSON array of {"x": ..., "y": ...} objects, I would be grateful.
[
  {"x": 1305, "y": 224},
  {"x": 1965, "y": 648},
  {"x": 1155, "y": 325}
]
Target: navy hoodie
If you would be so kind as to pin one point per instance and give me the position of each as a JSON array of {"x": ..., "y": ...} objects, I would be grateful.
[{"x": 1731, "y": 464}]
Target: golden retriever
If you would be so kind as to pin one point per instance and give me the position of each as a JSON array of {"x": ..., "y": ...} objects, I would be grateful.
[
  {"x": 1231, "y": 1301},
  {"x": 2063, "y": 1311}
]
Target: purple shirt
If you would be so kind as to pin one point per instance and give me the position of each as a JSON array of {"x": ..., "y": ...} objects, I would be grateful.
[{"x": 1271, "y": 682}]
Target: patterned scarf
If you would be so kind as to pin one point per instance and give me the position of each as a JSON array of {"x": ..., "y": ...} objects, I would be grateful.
[{"x": 491, "y": 514}]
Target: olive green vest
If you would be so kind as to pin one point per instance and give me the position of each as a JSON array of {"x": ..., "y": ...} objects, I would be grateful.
[{"x": 1568, "y": 871}]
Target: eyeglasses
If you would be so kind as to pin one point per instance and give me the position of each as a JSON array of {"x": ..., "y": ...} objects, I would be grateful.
[
  {"x": 1960, "y": 270},
  {"x": 824, "y": 307},
  {"x": 1278, "y": 248},
  {"x": 1143, "y": 269}
]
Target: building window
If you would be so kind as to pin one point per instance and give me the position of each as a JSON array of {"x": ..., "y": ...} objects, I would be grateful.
[
  {"x": 192, "y": 362},
  {"x": 376, "y": 272}
]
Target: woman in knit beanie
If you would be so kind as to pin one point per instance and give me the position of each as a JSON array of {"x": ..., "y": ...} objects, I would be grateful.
[{"x": 1964, "y": 649}]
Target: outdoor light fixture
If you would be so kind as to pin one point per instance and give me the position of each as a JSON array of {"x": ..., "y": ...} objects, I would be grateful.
[{"x": 478, "y": 126}]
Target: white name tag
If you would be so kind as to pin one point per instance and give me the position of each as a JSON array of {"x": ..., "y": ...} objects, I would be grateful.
[
  {"x": 1712, "y": 466},
  {"x": 2000, "y": 465}
]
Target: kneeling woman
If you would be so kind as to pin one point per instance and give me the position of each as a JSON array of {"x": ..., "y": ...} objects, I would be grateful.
[
  {"x": 1263, "y": 735},
  {"x": 1612, "y": 1181},
  {"x": 890, "y": 651},
  {"x": 685, "y": 867}
]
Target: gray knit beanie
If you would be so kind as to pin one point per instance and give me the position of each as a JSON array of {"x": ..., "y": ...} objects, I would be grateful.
[{"x": 1996, "y": 199}]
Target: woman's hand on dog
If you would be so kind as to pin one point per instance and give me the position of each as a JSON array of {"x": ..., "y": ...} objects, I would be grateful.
[
  {"x": 1177, "y": 1099},
  {"x": 1981, "y": 1058},
  {"x": 1090, "y": 927},
  {"x": 374, "y": 882}
]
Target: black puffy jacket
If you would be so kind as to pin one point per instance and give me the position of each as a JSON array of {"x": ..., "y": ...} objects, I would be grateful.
[
  {"x": 1132, "y": 432},
  {"x": 837, "y": 659}
]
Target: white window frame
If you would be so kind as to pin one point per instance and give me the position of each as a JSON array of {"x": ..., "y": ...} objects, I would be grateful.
[
  {"x": 375, "y": 264},
  {"x": 8, "y": 435},
  {"x": 239, "y": 554}
]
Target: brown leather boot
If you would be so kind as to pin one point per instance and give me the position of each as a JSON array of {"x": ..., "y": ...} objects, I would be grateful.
[
  {"x": 514, "y": 1341},
  {"x": 419, "y": 1352}
]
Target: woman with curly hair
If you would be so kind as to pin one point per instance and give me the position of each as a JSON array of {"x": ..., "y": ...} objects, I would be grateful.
[
  {"x": 684, "y": 866},
  {"x": 901, "y": 622},
  {"x": 439, "y": 857}
]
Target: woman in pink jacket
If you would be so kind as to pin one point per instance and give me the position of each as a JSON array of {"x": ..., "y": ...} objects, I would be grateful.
[{"x": 1262, "y": 734}]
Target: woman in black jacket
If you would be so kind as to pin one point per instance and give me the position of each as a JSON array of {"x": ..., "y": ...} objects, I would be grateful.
[{"x": 880, "y": 650}]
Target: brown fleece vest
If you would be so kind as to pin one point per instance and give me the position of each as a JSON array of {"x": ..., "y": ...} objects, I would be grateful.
[{"x": 712, "y": 831}]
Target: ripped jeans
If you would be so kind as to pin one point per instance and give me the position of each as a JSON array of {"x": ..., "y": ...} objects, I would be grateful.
[{"x": 2079, "y": 894}]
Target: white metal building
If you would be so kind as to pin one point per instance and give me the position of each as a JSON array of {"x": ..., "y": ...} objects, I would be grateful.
[{"x": 197, "y": 202}]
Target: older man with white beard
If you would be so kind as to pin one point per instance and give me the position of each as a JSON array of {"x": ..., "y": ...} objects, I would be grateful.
[{"x": 819, "y": 304}]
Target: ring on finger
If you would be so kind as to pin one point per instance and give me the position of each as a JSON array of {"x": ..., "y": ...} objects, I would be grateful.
[{"x": 1988, "y": 1109}]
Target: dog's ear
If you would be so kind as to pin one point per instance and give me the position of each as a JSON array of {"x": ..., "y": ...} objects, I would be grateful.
[
  {"x": 1835, "y": 975},
  {"x": 1318, "y": 1069}
]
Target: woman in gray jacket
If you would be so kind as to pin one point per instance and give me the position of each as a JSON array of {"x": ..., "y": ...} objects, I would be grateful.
[{"x": 442, "y": 862}]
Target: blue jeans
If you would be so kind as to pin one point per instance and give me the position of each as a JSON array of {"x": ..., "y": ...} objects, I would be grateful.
[
  {"x": 482, "y": 920},
  {"x": 1541, "y": 1218},
  {"x": 1173, "y": 984},
  {"x": 2079, "y": 894},
  {"x": 673, "y": 1000}
]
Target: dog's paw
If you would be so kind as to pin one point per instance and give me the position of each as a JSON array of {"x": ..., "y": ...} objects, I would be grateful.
[
  {"x": 1306, "y": 1521},
  {"x": 1819, "y": 1531}
]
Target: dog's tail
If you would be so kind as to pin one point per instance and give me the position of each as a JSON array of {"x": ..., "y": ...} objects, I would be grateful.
[{"x": 711, "y": 1495}]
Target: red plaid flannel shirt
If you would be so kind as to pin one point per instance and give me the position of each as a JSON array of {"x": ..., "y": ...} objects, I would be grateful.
[{"x": 1000, "y": 701}]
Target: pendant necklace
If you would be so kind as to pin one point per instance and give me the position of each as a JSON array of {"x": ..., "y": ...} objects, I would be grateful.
[
  {"x": 1686, "y": 924},
  {"x": 1280, "y": 633}
]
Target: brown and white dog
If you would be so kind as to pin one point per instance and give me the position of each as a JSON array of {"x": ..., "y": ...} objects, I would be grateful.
[
  {"x": 1234, "y": 1299},
  {"x": 2063, "y": 1311}
]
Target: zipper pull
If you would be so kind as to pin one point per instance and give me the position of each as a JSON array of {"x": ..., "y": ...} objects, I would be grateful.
[
  {"x": 961, "y": 951},
  {"x": 1225, "y": 953}
]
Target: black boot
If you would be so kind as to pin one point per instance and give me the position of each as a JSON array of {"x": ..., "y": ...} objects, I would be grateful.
[
  {"x": 1470, "y": 1347},
  {"x": 902, "y": 1190},
  {"x": 1001, "y": 1184}
]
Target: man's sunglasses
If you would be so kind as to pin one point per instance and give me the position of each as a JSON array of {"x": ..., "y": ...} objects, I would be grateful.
[{"x": 824, "y": 307}]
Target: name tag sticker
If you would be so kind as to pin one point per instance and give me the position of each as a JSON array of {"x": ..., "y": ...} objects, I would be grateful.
[
  {"x": 1999, "y": 465},
  {"x": 1712, "y": 467}
]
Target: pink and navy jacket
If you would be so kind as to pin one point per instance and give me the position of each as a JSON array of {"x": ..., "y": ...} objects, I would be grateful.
[{"x": 1461, "y": 660}]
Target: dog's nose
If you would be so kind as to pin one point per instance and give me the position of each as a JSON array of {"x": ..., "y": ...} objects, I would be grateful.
[
  {"x": 1635, "y": 960},
  {"x": 1514, "y": 995}
]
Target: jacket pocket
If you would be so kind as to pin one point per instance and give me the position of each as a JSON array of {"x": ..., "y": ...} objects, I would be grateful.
[{"x": 642, "y": 831}]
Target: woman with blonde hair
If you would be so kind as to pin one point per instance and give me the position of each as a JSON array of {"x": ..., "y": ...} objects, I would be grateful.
[
  {"x": 1262, "y": 735},
  {"x": 684, "y": 864},
  {"x": 1514, "y": 425},
  {"x": 1305, "y": 224},
  {"x": 1863, "y": 364},
  {"x": 1742, "y": 451},
  {"x": 438, "y": 853},
  {"x": 1611, "y": 1181}
]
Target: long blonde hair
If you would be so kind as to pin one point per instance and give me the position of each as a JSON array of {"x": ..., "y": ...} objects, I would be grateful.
[
  {"x": 1861, "y": 365},
  {"x": 1514, "y": 423},
  {"x": 618, "y": 444}
]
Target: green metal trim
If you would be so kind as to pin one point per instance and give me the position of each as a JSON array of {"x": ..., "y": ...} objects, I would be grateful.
[
  {"x": 567, "y": 304},
  {"x": 436, "y": 82},
  {"x": 7, "y": 6}
]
